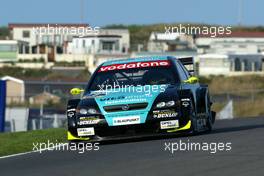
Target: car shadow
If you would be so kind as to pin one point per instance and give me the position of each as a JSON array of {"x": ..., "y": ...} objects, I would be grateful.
[
  {"x": 145, "y": 138},
  {"x": 214, "y": 131},
  {"x": 238, "y": 128}
]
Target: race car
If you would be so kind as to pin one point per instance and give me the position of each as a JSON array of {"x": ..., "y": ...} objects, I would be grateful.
[{"x": 137, "y": 97}]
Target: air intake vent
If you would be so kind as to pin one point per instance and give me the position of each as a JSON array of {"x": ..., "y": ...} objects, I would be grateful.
[{"x": 125, "y": 107}]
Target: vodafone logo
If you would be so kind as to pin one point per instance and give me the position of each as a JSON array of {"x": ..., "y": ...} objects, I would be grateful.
[{"x": 134, "y": 65}]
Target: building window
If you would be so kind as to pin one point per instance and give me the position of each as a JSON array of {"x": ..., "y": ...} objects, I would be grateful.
[
  {"x": 57, "y": 39},
  {"x": 237, "y": 64},
  {"x": 26, "y": 34},
  {"x": 108, "y": 45},
  {"x": 8, "y": 48},
  {"x": 256, "y": 66},
  {"x": 77, "y": 43},
  {"x": 47, "y": 39},
  {"x": 226, "y": 46},
  {"x": 44, "y": 39},
  {"x": 83, "y": 43},
  {"x": 50, "y": 39},
  {"x": 242, "y": 46},
  {"x": 247, "y": 65}
]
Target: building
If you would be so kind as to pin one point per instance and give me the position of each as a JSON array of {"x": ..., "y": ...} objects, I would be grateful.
[
  {"x": 95, "y": 49},
  {"x": 46, "y": 39},
  {"x": 230, "y": 64},
  {"x": 15, "y": 90},
  {"x": 108, "y": 41},
  {"x": 21, "y": 90},
  {"x": 100, "y": 44},
  {"x": 124, "y": 40},
  {"x": 50, "y": 45},
  {"x": 162, "y": 42},
  {"x": 235, "y": 43},
  {"x": 11, "y": 49}
]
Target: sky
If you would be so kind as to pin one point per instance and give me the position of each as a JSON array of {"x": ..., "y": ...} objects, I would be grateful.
[{"x": 105, "y": 12}]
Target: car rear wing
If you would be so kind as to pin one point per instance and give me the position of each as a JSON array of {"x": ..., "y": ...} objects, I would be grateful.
[{"x": 188, "y": 63}]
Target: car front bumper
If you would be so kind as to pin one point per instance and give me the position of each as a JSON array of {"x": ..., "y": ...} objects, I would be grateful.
[{"x": 152, "y": 127}]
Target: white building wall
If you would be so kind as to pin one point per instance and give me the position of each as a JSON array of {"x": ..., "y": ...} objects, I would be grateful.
[
  {"x": 18, "y": 35},
  {"x": 230, "y": 45},
  {"x": 242, "y": 48},
  {"x": 209, "y": 40},
  {"x": 214, "y": 65},
  {"x": 92, "y": 45},
  {"x": 38, "y": 38}
]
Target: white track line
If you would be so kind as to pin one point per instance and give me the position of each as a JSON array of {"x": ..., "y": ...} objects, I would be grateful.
[{"x": 35, "y": 151}]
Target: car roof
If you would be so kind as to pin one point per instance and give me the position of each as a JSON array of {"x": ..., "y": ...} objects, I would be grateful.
[{"x": 137, "y": 59}]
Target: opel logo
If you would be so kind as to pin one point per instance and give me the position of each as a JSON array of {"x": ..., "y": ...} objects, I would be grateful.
[
  {"x": 125, "y": 107},
  {"x": 70, "y": 114}
]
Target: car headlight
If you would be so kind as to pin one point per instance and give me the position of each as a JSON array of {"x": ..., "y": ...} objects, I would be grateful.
[
  {"x": 165, "y": 104},
  {"x": 170, "y": 103},
  {"x": 83, "y": 111},
  {"x": 92, "y": 111},
  {"x": 161, "y": 105},
  {"x": 87, "y": 111}
]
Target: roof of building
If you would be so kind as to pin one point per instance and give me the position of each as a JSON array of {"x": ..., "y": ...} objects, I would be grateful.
[
  {"x": 98, "y": 36},
  {"x": 236, "y": 34},
  {"x": 10, "y": 78},
  {"x": 30, "y": 25},
  {"x": 55, "y": 81},
  {"x": 8, "y": 42}
]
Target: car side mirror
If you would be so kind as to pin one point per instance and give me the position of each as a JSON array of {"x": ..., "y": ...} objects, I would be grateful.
[
  {"x": 76, "y": 91},
  {"x": 192, "y": 80}
]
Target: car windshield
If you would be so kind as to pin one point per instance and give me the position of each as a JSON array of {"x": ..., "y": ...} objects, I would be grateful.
[{"x": 110, "y": 77}]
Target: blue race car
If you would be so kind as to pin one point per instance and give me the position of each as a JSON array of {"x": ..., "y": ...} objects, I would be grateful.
[{"x": 140, "y": 97}]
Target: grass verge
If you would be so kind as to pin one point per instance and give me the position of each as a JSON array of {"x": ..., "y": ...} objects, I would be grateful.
[
  {"x": 249, "y": 108},
  {"x": 18, "y": 142},
  {"x": 244, "y": 108}
]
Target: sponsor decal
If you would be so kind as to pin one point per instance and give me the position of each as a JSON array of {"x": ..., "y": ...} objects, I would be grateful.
[
  {"x": 112, "y": 98},
  {"x": 164, "y": 114},
  {"x": 169, "y": 124},
  {"x": 127, "y": 120},
  {"x": 85, "y": 131},
  {"x": 185, "y": 103},
  {"x": 126, "y": 101},
  {"x": 88, "y": 120},
  {"x": 131, "y": 65},
  {"x": 71, "y": 114},
  {"x": 185, "y": 99}
]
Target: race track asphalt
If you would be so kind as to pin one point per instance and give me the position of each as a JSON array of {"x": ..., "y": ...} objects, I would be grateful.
[{"x": 149, "y": 157}]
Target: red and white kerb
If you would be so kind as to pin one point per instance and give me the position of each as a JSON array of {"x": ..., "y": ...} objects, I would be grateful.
[{"x": 158, "y": 63}]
